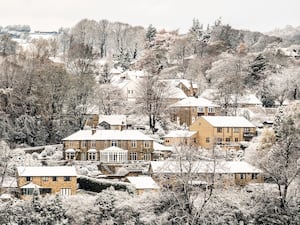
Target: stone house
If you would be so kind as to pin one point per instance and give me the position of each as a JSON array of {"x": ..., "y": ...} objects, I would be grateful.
[{"x": 108, "y": 146}]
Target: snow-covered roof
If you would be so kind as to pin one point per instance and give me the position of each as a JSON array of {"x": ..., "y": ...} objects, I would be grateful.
[
  {"x": 70, "y": 150},
  {"x": 187, "y": 83},
  {"x": 176, "y": 82},
  {"x": 228, "y": 121},
  {"x": 143, "y": 182},
  {"x": 249, "y": 99},
  {"x": 175, "y": 92},
  {"x": 194, "y": 102},
  {"x": 114, "y": 149},
  {"x": 162, "y": 148},
  {"x": 108, "y": 135},
  {"x": 36, "y": 171},
  {"x": 113, "y": 119},
  {"x": 92, "y": 150},
  {"x": 180, "y": 134},
  {"x": 31, "y": 185},
  {"x": 203, "y": 167}
]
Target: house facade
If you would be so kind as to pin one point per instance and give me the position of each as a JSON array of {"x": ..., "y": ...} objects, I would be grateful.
[
  {"x": 89, "y": 144},
  {"x": 189, "y": 109},
  {"x": 47, "y": 179},
  {"x": 180, "y": 137},
  {"x": 225, "y": 131}
]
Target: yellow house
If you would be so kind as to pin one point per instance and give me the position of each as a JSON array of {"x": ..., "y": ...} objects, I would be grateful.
[
  {"x": 114, "y": 144},
  {"x": 47, "y": 179},
  {"x": 225, "y": 131},
  {"x": 224, "y": 173},
  {"x": 143, "y": 184},
  {"x": 188, "y": 110},
  {"x": 180, "y": 137}
]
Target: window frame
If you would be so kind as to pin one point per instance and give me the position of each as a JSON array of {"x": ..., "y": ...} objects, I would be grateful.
[{"x": 67, "y": 178}]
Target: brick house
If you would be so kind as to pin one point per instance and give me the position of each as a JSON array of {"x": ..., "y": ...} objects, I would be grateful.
[
  {"x": 47, "y": 179},
  {"x": 189, "y": 109},
  {"x": 225, "y": 131},
  {"x": 89, "y": 144}
]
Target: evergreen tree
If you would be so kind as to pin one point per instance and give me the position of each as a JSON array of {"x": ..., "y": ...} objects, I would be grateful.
[
  {"x": 256, "y": 71},
  {"x": 151, "y": 33}
]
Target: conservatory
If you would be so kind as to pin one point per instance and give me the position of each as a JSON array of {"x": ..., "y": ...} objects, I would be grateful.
[{"x": 114, "y": 155}]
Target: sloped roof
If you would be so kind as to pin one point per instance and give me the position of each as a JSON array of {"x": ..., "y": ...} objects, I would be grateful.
[
  {"x": 175, "y": 92},
  {"x": 113, "y": 119},
  {"x": 203, "y": 167},
  {"x": 36, "y": 171},
  {"x": 143, "y": 182},
  {"x": 228, "y": 121},
  {"x": 249, "y": 99},
  {"x": 180, "y": 134},
  {"x": 162, "y": 148},
  {"x": 108, "y": 135},
  {"x": 114, "y": 149},
  {"x": 31, "y": 185},
  {"x": 194, "y": 102}
]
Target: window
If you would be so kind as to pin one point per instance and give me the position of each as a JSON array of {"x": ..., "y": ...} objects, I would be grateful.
[
  {"x": 70, "y": 144},
  {"x": 65, "y": 191},
  {"x": 219, "y": 141},
  {"x": 83, "y": 144},
  {"x": 45, "y": 178},
  {"x": 211, "y": 109},
  {"x": 242, "y": 176},
  {"x": 147, "y": 156},
  {"x": 227, "y": 139},
  {"x": 93, "y": 144},
  {"x": 219, "y": 129},
  {"x": 236, "y": 130},
  {"x": 54, "y": 178},
  {"x": 132, "y": 156},
  {"x": 254, "y": 176},
  {"x": 133, "y": 144},
  {"x": 70, "y": 155},
  {"x": 146, "y": 144},
  {"x": 28, "y": 179},
  {"x": 92, "y": 156},
  {"x": 27, "y": 191},
  {"x": 67, "y": 178},
  {"x": 167, "y": 141},
  {"x": 114, "y": 143},
  {"x": 246, "y": 129},
  {"x": 236, "y": 139},
  {"x": 195, "y": 140},
  {"x": 200, "y": 109},
  {"x": 207, "y": 140}
]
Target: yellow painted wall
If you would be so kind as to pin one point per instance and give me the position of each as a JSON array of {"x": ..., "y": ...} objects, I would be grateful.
[
  {"x": 206, "y": 130},
  {"x": 54, "y": 185}
]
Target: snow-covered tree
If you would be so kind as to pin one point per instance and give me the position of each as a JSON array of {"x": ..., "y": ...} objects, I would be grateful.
[{"x": 282, "y": 162}]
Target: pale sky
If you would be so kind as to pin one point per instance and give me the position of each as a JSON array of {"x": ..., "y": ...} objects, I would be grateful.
[{"x": 255, "y": 15}]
